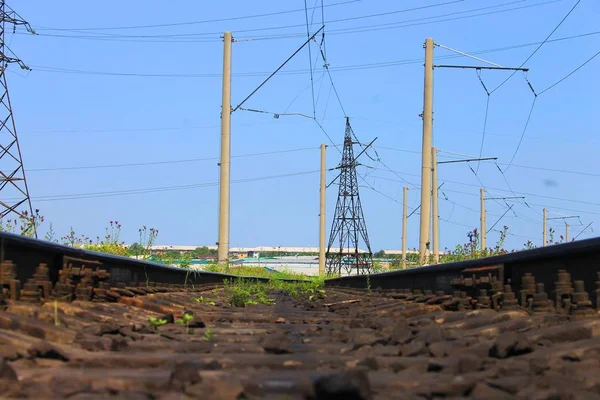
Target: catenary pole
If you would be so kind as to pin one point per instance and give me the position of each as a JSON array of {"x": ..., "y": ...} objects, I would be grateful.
[
  {"x": 544, "y": 241},
  {"x": 482, "y": 220},
  {"x": 322, "y": 211},
  {"x": 426, "y": 151},
  {"x": 225, "y": 164},
  {"x": 404, "y": 226},
  {"x": 434, "y": 206}
]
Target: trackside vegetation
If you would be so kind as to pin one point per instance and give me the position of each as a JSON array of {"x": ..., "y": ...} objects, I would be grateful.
[{"x": 28, "y": 224}]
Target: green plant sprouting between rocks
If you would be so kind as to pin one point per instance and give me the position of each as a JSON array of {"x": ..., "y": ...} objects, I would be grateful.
[
  {"x": 246, "y": 292},
  {"x": 185, "y": 320},
  {"x": 156, "y": 322},
  {"x": 208, "y": 335}
]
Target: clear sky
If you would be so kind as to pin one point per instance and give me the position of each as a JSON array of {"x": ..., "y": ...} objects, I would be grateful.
[{"x": 152, "y": 94}]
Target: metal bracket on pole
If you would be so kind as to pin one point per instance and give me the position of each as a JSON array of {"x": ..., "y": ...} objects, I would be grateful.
[
  {"x": 482, "y": 67},
  {"x": 468, "y": 160}
]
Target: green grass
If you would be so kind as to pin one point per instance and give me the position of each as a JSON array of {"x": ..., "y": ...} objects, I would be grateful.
[
  {"x": 254, "y": 271},
  {"x": 242, "y": 292},
  {"x": 208, "y": 335}
]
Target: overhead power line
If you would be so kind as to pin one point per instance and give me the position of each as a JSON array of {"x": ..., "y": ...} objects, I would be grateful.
[
  {"x": 540, "y": 45},
  {"x": 206, "y": 21},
  {"x": 570, "y": 73},
  {"x": 493, "y": 189},
  {"x": 81, "y": 167},
  {"x": 352, "y": 67},
  {"x": 239, "y": 32},
  {"x": 202, "y": 37},
  {"x": 278, "y": 68},
  {"x": 416, "y": 21},
  {"x": 522, "y": 133},
  {"x": 79, "y": 196}
]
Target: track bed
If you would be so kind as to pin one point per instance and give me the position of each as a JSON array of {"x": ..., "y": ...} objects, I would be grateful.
[{"x": 350, "y": 344}]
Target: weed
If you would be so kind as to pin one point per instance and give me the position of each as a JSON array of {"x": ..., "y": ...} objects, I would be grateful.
[
  {"x": 50, "y": 235},
  {"x": 208, "y": 335},
  {"x": 56, "y": 320},
  {"x": 245, "y": 292},
  {"x": 156, "y": 322},
  {"x": 473, "y": 250},
  {"x": 187, "y": 274},
  {"x": 310, "y": 289},
  {"x": 185, "y": 320},
  {"x": 147, "y": 239},
  {"x": 25, "y": 223},
  {"x": 202, "y": 300},
  {"x": 254, "y": 271}
]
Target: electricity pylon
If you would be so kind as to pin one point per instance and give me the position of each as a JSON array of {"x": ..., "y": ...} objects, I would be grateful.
[
  {"x": 14, "y": 193},
  {"x": 348, "y": 221}
]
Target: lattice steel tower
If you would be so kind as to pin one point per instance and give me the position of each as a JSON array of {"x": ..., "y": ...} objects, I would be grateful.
[
  {"x": 14, "y": 193},
  {"x": 348, "y": 227}
]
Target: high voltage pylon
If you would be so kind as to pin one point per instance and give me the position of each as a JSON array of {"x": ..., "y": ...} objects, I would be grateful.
[
  {"x": 14, "y": 193},
  {"x": 348, "y": 225}
]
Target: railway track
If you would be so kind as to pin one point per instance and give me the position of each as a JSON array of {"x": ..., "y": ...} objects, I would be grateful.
[{"x": 81, "y": 325}]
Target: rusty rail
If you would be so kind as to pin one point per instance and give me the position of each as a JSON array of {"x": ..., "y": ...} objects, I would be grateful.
[
  {"x": 82, "y": 325},
  {"x": 553, "y": 270}
]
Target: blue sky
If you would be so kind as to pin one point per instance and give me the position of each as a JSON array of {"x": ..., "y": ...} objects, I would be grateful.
[{"x": 102, "y": 97}]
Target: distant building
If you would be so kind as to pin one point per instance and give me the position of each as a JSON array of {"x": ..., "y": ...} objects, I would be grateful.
[{"x": 243, "y": 252}]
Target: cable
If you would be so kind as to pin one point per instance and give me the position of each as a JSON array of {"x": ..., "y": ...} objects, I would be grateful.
[
  {"x": 124, "y": 38},
  {"x": 272, "y": 28},
  {"x": 274, "y": 114},
  {"x": 195, "y": 22},
  {"x": 310, "y": 62},
  {"x": 323, "y": 23},
  {"x": 480, "y": 182},
  {"x": 475, "y": 195},
  {"x": 499, "y": 219},
  {"x": 584, "y": 229},
  {"x": 502, "y": 190},
  {"x": 320, "y": 79},
  {"x": 165, "y": 162},
  {"x": 328, "y": 137},
  {"x": 522, "y": 134},
  {"x": 515, "y": 165},
  {"x": 540, "y": 46},
  {"x": 46, "y": 131},
  {"x": 487, "y": 106},
  {"x": 514, "y": 194},
  {"x": 407, "y": 23},
  {"x": 326, "y": 104},
  {"x": 377, "y": 191},
  {"x": 326, "y": 66},
  {"x": 353, "y": 67},
  {"x": 400, "y": 150},
  {"x": 456, "y": 223},
  {"x": 278, "y": 68},
  {"x": 570, "y": 73},
  {"x": 513, "y": 234},
  {"x": 394, "y": 172},
  {"x": 162, "y": 189}
]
